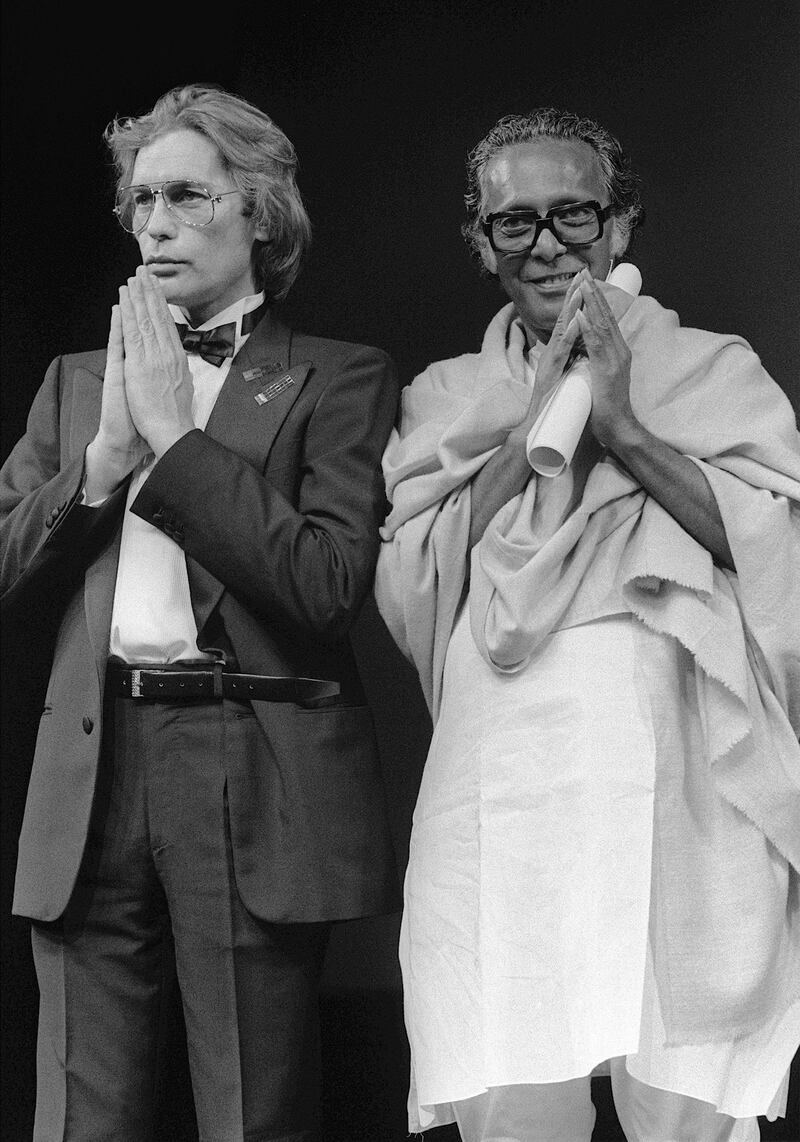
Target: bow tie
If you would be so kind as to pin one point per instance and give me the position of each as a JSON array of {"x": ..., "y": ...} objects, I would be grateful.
[{"x": 214, "y": 345}]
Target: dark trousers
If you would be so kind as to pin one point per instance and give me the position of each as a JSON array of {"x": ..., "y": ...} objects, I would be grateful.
[{"x": 158, "y": 871}]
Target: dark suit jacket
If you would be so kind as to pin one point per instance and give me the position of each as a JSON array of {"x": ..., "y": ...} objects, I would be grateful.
[{"x": 277, "y": 506}]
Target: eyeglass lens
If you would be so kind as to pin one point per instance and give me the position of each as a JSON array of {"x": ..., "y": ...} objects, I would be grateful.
[
  {"x": 189, "y": 202},
  {"x": 573, "y": 225}
]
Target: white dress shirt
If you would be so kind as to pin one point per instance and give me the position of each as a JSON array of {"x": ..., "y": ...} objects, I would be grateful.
[{"x": 152, "y": 618}]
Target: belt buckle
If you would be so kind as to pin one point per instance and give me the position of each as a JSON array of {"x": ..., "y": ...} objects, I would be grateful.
[{"x": 136, "y": 684}]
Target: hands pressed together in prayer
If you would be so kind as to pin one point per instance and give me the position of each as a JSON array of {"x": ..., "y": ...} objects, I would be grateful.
[
  {"x": 609, "y": 363},
  {"x": 586, "y": 313},
  {"x": 147, "y": 388},
  {"x": 669, "y": 477}
]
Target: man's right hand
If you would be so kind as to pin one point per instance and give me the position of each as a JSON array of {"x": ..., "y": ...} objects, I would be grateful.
[
  {"x": 117, "y": 448},
  {"x": 554, "y": 356}
]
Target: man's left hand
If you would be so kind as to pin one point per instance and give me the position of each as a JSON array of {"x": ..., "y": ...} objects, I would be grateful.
[{"x": 158, "y": 383}]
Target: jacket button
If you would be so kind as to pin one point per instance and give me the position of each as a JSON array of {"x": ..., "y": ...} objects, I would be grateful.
[{"x": 88, "y": 725}]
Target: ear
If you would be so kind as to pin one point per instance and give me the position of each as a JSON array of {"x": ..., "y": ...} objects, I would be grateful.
[
  {"x": 261, "y": 234},
  {"x": 488, "y": 256},
  {"x": 619, "y": 243}
]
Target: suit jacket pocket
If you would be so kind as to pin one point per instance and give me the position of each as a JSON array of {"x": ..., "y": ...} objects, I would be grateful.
[{"x": 308, "y": 815}]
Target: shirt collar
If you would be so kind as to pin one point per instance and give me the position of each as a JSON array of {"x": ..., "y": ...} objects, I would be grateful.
[{"x": 234, "y": 312}]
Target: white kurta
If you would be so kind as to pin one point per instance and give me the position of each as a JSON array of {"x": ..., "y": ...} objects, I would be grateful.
[{"x": 524, "y": 943}]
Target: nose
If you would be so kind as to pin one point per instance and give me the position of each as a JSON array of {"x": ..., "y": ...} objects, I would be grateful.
[
  {"x": 547, "y": 247},
  {"x": 160, "y": 224}
]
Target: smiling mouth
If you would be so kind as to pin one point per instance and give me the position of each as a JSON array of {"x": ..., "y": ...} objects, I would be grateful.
[{"x": 552, "y": 281}]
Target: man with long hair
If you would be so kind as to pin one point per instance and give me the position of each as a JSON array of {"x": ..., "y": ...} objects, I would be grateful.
[{"x": 203, "y": 500}]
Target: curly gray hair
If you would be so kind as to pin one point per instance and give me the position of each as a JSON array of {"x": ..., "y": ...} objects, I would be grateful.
[
  {"x": 619, "y": 180},
  {"x": 260, "y": 159}
]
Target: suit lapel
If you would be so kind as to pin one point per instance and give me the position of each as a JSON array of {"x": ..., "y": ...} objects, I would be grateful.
[
  {"x": 260, "y": 389},
  {"x": 237, "y": 420}
]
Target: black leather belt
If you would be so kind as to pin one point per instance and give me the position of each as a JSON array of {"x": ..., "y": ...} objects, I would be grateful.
[{"x": 173, "y": 683}]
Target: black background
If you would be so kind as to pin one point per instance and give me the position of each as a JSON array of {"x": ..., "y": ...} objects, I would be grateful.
[{"x": 383, "y": 101}]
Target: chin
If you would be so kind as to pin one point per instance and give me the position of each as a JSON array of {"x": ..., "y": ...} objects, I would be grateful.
[
  {"x": 177, "y": 296},
  {"x": 542, "y": 324},
  {"x": 169, "y": 288}
]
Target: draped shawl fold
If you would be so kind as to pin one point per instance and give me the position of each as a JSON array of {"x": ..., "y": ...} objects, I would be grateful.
[{"x": 592, "y": 542}]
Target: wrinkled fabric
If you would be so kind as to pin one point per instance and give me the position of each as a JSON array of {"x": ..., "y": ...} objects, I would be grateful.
[
  {"x": 537, "y": 940},
  {"x": 539, "y": 569},
  {"x": 527, "y": 895},
  {"x": 591, "y": 543}
]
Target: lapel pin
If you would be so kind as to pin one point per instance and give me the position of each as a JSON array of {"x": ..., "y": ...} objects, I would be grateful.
[
  {"x": 294, "y": 376},
  {"x": 262, "y": 371},
  {"x": 275, "y": 389}
]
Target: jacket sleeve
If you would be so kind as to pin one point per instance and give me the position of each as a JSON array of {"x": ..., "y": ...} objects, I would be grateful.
[
  {"x": 308, "y": 559},
  {"x": 46, "y": 535}
]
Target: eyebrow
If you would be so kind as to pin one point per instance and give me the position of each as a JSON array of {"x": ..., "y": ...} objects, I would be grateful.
[
  {"x": 554, "y": 205},
  {"x": 176, "y": 178}
]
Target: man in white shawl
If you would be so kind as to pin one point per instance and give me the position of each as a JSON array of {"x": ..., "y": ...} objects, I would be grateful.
[{"x": 603, "y": 874}]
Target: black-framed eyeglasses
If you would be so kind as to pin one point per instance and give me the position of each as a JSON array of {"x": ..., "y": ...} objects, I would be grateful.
[
  {"x": 188, "y": 201},
  {"x": 515, "y": 231}
]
